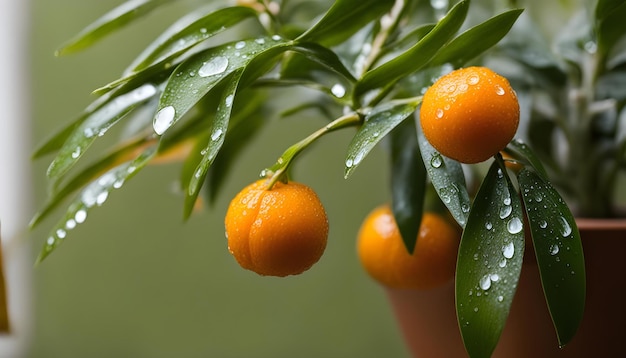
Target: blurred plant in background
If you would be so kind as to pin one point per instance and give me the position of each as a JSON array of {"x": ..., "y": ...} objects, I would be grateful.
[{"x": 202, "y": 90}]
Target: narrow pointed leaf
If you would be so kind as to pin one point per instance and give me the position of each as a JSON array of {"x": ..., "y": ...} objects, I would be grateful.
[
  {"x": 325, "y": 57},
  {"x": 609, "y": 27},
  {"x": 178, "y": 39},
  {"x": 417, "y": 56},
  {"x": 110, "y": 22},
  {"x": 345, "y": 18},
  {"x": 559, "y": 253},
  {"x": 216, "y": 139},
  {"x": 86, "y": 175},
  {"x": 473, "y": 42},
  {"x": 408, "y": 182},
  {"x": 246, "y": 121},
  {"x": 523, "y": 150},
  {"x": 380, "y": 121},
  {"x": 195, "y": 77},
  {"x": 489, "y": 263},
  {"x": 96, "y": 125},
  {"x": 94, "y": 195},
  {"x": 448, "y": 180}
]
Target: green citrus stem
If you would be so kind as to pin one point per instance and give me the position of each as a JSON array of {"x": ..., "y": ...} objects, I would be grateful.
[{"x": 279, "y": 170}]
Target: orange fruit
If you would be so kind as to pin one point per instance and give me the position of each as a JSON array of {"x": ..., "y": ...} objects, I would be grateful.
[
  {"x": 277, "y": 232},
  {"x": 385, "y": 258},
  {"x": 470, "y": 114}
]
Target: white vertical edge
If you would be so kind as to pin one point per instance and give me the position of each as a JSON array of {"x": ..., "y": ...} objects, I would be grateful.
[{"x": 15, "y": 174}]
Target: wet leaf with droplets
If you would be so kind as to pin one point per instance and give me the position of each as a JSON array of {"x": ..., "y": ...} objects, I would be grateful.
[
  {"x": 448, "y": 179},
  {"x": 378, "y": 122},
  {"x": 216, "y": 139},
  {"x": 95, "y": 125},
  {"x": 93, "y": 195},
  {"x": 196, "y": 76},
  {"x": 186, "y": 34},
  {"x": 558, "y": 250},
  {"x": 489, "y": 263},
  {"x": 521, "y": 149}
]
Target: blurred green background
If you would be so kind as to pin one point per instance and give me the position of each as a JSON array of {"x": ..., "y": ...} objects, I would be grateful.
[{"x": 137, "y": 281}]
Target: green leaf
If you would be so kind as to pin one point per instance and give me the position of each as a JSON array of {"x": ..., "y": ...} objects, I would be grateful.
[
  {"x": 246, "y": 121},
  {"x": 448, "y": 180},
  {"x": 110, "y": 22},
  {"x": 417, "y": 56},
  {"x": 609, "y": 25},
  {"x": 408, "y": 182},
  {"x": 559, "y": 253},
  {"x": 179, "y": 38},
  {"x": 343, "y": 19},
  {"x": 195, "y": 77},
  {"x": 96, "y": 125},
  {"x": 378, "y": 122},
  {"x": 412, "y": 37},
  {"x": 86, "y": 175},
  {"x": 94, "y": 195},
  {"x": 216, "y": 139},
  {"x": 324, "y": 57},
  {"x": 473, "y": 42},
  {"x": 489, "y": 263},
  {"x": 523, "y": 151}
]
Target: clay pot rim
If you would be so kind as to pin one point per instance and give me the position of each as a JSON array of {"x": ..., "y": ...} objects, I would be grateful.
[{"x": 601, "y": 223}]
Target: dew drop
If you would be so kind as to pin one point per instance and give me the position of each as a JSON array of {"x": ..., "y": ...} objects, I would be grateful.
[
  {"x": 567, "y": 229},
  {"x": 514, "y": 226},
  {"x": 554, "y": 249},
  {"x": 465, "y": 208},
  {"x": 276, "y": 38},
  {"x": 473, "y": 79},
  {"x": 485, "y": 282},
  {"x": 80, "y": 216},
  {"x": 488, "y": 225},
  {"x": 70, "y": 224},
  {"x": 50, "y": 241},
  {"x": 436, "y": 161},
  {"x": 214, "y": 67},
  {"x": 500, "y": 298},
  {"x": 164, "y": 119},
  {"x": 338, "y": 90},
  {"x": 216, "y": 134},
  {"x": 505, "y": 211},
  {"x": 61, "y": 233},
  {"x": 102, "y": 197},
  {"x": 239, "y": 45},
  {"x": 475, "y": 309},
  {"x": 543, "y": 224},
  {"x": 499, "y": 91},
  {"x": 76, "y": 153},
  {"x": 349, "y": 163},
  {"x": 260, "y": 41},
  {"x": 203, "y": 30},
  {"x": 508, "y": 250},
  {"x": 502, "y": 263},
  {"x": 439, "y": 113}
]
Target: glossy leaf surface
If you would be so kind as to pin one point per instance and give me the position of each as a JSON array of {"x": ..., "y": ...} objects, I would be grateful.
[
  {"x": 417, "y": 56},
  {"x": 489, "y": 263},
  {"x": 448, "y": 180},
  {"x": 194, "y": 78},
  {"x": 378, "y": 123},
  {"x": 115, "y": 19},
  {"x": 408, "y": 182},
  {"x": 343, "y": 19},
  {"x": 92, "y": 196},
  {"x": 559, "y": 253}
]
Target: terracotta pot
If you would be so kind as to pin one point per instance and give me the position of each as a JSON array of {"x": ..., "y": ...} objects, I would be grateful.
[{"x": 428, "y": 319}]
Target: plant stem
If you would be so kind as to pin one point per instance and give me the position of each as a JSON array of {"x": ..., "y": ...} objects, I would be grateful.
[{"x": 279, "y": 170}]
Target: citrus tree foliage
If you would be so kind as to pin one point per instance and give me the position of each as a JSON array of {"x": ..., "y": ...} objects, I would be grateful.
[{"x": 199, "y": 87}]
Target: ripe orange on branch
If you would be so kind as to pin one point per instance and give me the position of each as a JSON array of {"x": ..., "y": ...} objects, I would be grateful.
[
  {"x": 470, "y": 114},
  {"x": 385, "y": 258},
  {"x": 276, "y": 232}
]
